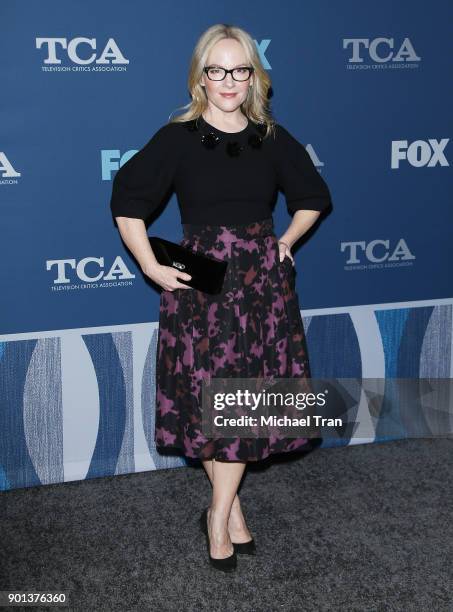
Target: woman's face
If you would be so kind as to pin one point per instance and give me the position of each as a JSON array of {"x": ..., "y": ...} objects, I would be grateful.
[{"x": 227, "y": 53}]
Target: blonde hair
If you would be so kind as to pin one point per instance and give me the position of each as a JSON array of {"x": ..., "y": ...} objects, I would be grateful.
[{"x": 255, "y": 106}]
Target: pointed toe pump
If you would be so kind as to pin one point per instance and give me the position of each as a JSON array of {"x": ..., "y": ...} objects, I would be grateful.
[
  {"x": 245, "y": 548},
  {"x": 241, "y": 548},
  {"x": 227, "y": 564}
]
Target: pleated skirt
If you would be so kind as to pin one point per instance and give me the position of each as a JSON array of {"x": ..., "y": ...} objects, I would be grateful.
[{"x": 252, "y": 329}]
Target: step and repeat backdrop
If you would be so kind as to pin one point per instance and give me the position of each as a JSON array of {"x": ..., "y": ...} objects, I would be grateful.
[{"x": 366, "y": 87}]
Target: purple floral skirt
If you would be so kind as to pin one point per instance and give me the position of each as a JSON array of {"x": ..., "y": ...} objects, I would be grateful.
[{"x": 252, "y": 329}]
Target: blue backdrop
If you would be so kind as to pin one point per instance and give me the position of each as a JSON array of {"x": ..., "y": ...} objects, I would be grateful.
[{"x": 366, "y": 87}]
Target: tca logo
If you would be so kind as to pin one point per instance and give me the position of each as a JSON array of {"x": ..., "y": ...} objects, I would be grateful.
[
  {"x": 420, "y": 153},
  {"x": 376, "y": 251},
  {"x": 65, "y": 267},
  {"x": 76, "y": 51},
  {"x": 380, "y": 50},
  {"x": 7, "y": 169}
]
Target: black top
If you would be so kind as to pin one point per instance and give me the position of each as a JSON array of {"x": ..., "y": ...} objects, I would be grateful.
[{"x": 212, "y": 184}]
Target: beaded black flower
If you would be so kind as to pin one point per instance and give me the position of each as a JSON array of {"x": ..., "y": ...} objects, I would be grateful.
[
  {"x": 210, "y": 140},
  {"x": 255, "y": 141}
]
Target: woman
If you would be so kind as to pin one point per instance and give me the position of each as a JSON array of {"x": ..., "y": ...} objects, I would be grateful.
[{"x": 226, "y": 159}]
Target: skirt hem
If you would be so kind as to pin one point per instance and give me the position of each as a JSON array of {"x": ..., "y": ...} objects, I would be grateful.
[{"x": 309, "y": 445}]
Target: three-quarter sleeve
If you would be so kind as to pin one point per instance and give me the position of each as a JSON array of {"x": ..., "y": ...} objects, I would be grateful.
[
  {"x": 141, "y": 183},
  {"x": 297, "y": 176}
]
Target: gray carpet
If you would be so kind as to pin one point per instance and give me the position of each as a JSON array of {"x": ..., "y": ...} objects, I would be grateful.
[{"x": 364, "y": 528}]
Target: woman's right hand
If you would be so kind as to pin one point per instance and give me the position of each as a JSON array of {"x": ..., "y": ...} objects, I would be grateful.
[{"x": 167, "y": 277}]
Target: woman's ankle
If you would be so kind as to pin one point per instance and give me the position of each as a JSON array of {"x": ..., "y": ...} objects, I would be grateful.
[{"x": 220, "y": 515}]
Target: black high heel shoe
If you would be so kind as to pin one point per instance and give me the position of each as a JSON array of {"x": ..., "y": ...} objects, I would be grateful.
[
  {"x": 227, "y": 564},
  {"x": 245, "y": 548},
  {"x": 241, "y": 548}
]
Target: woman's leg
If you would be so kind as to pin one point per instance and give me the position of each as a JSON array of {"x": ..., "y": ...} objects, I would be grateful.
[
  {"x": 237, "y": 527},
  {"x": 226, "y": 477}
]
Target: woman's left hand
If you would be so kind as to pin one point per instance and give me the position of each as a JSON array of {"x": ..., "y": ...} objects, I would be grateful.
[{"x": 284, "y": 251}]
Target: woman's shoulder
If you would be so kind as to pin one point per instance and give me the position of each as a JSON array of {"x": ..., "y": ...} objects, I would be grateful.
[
  {"x": 169, "y": 130},
  {"x": 282, "y": 134},
  {"x": 277, "y": 137},
  {"x": 286, "y": 141},
  {"x": 175, "y": 133},
  {"x": 165, "y": 140}
]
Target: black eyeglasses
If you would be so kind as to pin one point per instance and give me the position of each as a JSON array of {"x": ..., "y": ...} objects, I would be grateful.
[{"x": 216, "y": 73}]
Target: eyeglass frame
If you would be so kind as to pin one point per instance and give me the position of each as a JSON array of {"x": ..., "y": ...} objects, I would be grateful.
[{"x": 251, "y": 69}]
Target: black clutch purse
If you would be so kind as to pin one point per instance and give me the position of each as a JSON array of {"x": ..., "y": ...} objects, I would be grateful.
[{"x": 207, "y": 272}]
